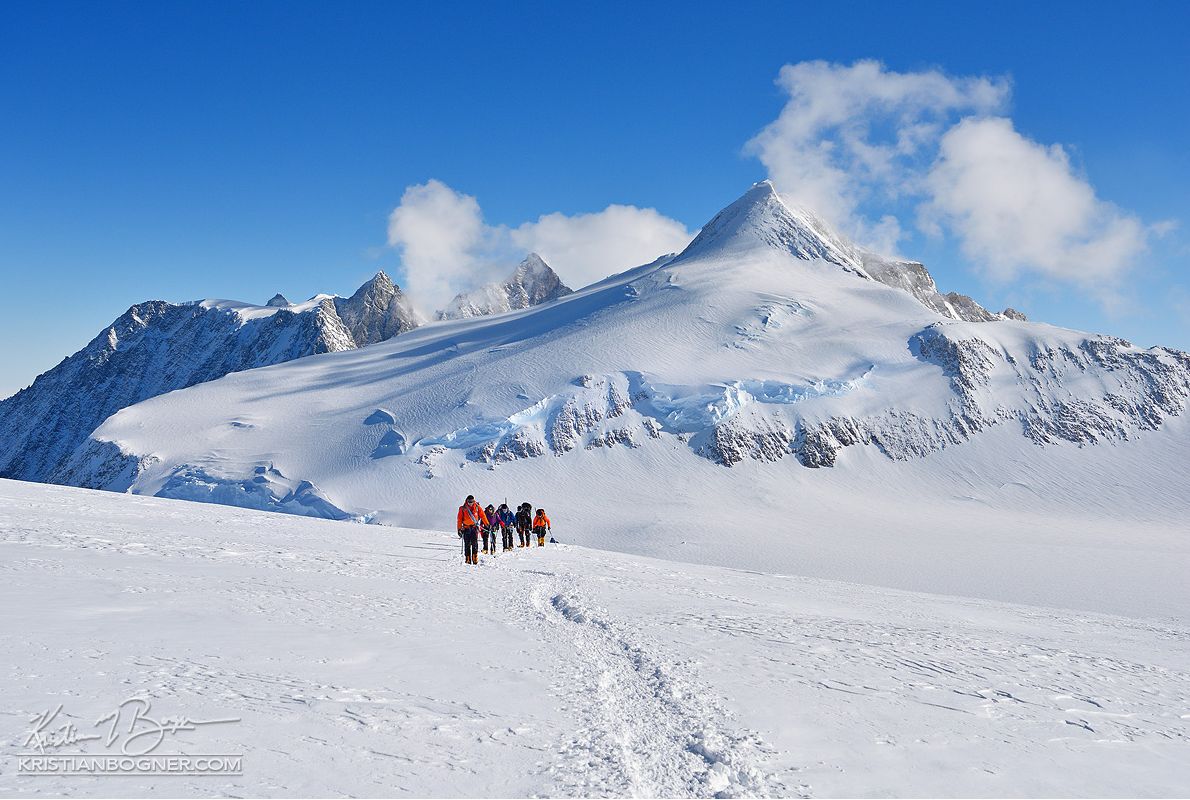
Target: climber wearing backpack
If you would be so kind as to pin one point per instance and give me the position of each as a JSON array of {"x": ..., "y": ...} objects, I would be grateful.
[
  {"x": 524, "y": 523},
  {"x": 541, "y": 525},
  {"x": 489, "y": 529},
  {"x": 506, "y": 521},
  {"x": 470, "y": 520}
]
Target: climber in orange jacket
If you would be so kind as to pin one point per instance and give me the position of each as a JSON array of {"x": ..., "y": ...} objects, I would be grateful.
[
  {"x": 541, "y": 525},
  {"x": 471, "y": 517}
]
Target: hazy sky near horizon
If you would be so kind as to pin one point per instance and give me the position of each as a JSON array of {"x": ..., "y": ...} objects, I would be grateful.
[{"x": 1032, "y": 156}]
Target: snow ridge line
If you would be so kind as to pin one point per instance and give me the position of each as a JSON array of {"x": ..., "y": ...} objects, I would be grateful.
[{"x": 647, "y": 727}]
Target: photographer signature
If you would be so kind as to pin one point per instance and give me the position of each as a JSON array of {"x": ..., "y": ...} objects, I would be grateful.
[{"x": 127, "y": 725}]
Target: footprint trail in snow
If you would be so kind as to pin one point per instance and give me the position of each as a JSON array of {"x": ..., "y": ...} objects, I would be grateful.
[{"x": 369, "y": 661}]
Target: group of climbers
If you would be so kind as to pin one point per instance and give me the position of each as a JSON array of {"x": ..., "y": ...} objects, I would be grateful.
[{"x": 495, "y": 525}]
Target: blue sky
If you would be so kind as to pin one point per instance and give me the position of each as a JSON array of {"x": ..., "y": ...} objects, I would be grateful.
[{"x": 178, "y": 151}]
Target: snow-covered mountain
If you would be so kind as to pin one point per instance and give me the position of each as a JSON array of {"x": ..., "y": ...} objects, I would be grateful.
[
  {"x": 760, "y": 215},
  {"x": 156, "y": 347},
  {"x": 532, "y": 283},
  {"x": 700, "y": 386}
]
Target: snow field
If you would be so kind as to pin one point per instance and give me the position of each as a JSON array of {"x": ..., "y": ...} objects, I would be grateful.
[{"x": 370, "y": 661}]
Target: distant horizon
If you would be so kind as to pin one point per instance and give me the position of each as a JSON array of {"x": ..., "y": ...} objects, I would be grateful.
[{"x": 1033, "y": 158}]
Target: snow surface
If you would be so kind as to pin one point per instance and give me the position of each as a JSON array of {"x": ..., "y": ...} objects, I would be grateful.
[
  {"x": 249, "y": 311},
  {"x": 369, "y": 661}
]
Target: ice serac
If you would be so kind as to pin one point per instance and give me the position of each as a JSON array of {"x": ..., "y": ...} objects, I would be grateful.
[
  {"x": 157, "y": 347},
  {"x": 532, "y": 283}
]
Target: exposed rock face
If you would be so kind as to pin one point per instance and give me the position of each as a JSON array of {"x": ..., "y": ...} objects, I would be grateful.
[
  {"x": 1099, "y": 389},
  {"x": 377, "y": 311},
  {"x": 156, "y": 347},
  {"x": 532, "y": 283},
  {"x": 908, "y": 276},
  {"x": 1093, "y": 390},
  {"x": 914, "y": 278}
]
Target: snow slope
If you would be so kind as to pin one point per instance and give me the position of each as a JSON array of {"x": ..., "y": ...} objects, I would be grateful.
[
  {"x": 156, "y": 347},
  {"x": 368, "y": 661},
  {"x": 760, "y": 390}
]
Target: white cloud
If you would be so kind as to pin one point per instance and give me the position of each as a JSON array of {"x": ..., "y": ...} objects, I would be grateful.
[
  {"x": 447, "y": 248},
  {"x": 442, "y": 238},
  {"x": 585, "y": 248},
  {"x": 851, "y": 135},
  {"x": 1017, "y": 205},
  {"x": 859, "y": 144}
]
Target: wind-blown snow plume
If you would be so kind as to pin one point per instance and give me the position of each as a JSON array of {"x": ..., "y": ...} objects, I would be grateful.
[{"x": 448, "y": 249}]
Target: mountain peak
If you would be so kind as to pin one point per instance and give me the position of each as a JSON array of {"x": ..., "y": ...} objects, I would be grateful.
[
  {"x": 533, "y": 269},
  {"x": 532, "y": 283},
  {"x": 278, "y": 301},
  {"x": 760, "y": 218},
  {"x": 377, "y": 311},
  {"x": 380, "y": 279},
  {"x": 379, "y": 288},
  {"x": 535, "y": 263},
  {"x": 762, "y": 191}
]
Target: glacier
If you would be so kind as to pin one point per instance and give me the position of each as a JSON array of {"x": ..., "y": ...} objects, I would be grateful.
[{"x": 762, "y": 366}]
